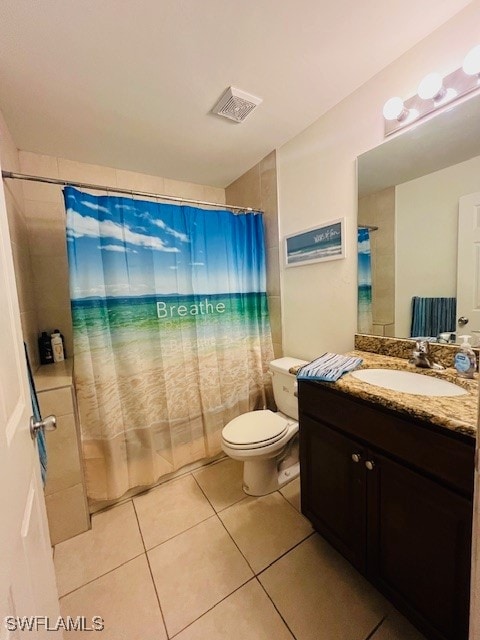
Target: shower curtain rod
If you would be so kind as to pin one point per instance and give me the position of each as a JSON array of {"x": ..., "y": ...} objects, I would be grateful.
[
  {"x": 84, "y": 185},
  {"x": 370, "y": 227}
]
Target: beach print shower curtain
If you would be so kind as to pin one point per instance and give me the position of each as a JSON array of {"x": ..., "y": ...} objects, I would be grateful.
[
  {"x": 365, "y": 324},
  {"x": 171, "y": 333}
]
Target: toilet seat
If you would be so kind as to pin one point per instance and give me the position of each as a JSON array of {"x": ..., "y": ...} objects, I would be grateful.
[{"x": 255, "y": 429}]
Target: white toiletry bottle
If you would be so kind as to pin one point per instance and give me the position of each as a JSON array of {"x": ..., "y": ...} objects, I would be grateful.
[
  {"x": 57, "y": 347},
  {"x": 465, "y": 360}
]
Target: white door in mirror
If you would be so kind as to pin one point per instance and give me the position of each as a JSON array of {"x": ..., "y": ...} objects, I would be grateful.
[{"x": 468, "y": 267}]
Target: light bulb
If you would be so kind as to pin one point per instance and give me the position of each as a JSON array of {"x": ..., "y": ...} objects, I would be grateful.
[
  {"x": 471, "y": 63},
  {"x": 431, "y": 87},
  {"x": 393, "y": 109}
]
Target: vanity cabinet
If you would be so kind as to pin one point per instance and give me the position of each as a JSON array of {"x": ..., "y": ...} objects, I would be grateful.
[{"x": 394, "y": 496}]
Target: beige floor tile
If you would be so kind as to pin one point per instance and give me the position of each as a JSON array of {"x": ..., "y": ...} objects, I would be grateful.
[
  {"x": 321, "y": 596},
  {"x": 264, "y": 528},
  {"x": 170, "y": 509},
  {"x": 247, "y": 614},
  {"x": 222, "y": 483},
  {"x": 113, "y": 540},
  {"x": 291, "y": 492},
  {"x": 194, "y": 571},
  {"x": 125, "y": 598},
  {"x": 67, "y": 513},
  {"x": 396, "y": 627}
]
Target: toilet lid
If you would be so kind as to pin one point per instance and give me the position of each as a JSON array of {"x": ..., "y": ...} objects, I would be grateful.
[{"x": 254, "y": 427}]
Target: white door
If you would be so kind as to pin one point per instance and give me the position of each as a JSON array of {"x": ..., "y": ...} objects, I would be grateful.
[
  {"x": 27, "y": 579},
  {"x": 468, "y": 267}
]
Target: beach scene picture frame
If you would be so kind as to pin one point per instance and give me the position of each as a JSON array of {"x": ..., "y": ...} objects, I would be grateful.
[{"x": 317, "y": 244}]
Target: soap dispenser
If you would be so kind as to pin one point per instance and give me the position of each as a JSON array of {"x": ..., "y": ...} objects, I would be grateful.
[{"x": 465, "y": 360}]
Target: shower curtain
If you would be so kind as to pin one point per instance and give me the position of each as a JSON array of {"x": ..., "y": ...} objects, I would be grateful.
[
  {"x": 365, "y": 322},
  {"x": 171, "y": 333}
]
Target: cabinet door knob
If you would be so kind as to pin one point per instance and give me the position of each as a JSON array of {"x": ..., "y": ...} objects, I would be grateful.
[
  {"x": 356, "y": 457},
  {"x": 370, "y": 464}
]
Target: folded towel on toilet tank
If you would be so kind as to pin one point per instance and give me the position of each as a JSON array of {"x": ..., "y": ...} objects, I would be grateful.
[{"x": 328, "y": 368}]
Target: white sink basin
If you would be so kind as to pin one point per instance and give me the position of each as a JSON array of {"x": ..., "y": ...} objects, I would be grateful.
[{"x": 408, "y": 382}]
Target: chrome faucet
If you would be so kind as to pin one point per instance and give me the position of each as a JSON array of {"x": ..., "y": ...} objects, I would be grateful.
[{"x": 421, "y": 356}]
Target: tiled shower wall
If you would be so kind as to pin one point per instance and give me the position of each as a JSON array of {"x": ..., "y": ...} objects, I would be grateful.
[
  {"x": 257, "y": 188},
  {"x": 18, "y": 228},
  {"x": 45, "y": 215}
]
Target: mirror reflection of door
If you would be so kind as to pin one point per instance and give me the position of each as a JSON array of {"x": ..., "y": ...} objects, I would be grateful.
[{"x": 468, "y": 267}]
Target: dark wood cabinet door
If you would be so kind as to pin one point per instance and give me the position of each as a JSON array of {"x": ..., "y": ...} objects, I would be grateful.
[
  {"x": 334, "y": 488},
  {"x": 418, "y": 548}
]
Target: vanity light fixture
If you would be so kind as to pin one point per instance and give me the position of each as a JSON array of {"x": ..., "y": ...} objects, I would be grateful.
[
  {"x": 471, "y": 63},
  {"x": 394, "y": 109},
  {"x": 434, "y": 92},
  {"x": 431, "y": 87}
]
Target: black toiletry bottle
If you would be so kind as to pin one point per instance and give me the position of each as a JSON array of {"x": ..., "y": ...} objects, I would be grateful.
[
  {"x": 63, "y": 342},
  {"x": 45, "y": 348}
]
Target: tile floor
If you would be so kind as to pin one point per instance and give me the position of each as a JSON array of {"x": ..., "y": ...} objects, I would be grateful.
[{"x": 196, "y": 559}]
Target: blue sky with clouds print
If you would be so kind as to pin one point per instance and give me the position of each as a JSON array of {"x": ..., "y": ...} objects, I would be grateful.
[{"x": 124, "y": 247}]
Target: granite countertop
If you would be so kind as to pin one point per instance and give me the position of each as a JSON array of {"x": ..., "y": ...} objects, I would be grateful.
[{"x": 458, "y": 413}]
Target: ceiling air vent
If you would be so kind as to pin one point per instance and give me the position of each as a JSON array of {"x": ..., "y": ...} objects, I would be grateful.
[{"x": 236, "y": 104}]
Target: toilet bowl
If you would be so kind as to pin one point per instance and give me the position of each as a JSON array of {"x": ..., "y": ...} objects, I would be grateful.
[{"x": 266, "y": 441}]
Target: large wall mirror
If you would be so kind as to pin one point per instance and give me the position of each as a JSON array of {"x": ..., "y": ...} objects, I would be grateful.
[{"x": 419, "y": 230}]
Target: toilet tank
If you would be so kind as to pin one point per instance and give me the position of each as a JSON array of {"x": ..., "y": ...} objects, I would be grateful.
[{"x": 284, "y": 385}]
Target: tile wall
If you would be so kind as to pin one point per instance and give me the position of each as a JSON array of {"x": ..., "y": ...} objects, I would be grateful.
[
  {"x": 378, "y": 209},
  {"x": 65, "y": 494},
  {"x": 257, "y": 188}
]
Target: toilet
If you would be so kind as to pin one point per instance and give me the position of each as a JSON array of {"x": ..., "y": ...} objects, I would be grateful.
[{"x": 265, "y": 441}]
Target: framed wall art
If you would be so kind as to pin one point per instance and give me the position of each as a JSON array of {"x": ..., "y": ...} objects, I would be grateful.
[{"x": 318, "y": 244}]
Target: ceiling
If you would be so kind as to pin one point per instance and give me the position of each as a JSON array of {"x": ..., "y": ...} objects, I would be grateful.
[{"x": 131, "y": 84}]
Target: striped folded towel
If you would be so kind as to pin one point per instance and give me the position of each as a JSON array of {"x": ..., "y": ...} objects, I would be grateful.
[{"x": 329, "y": 367}]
